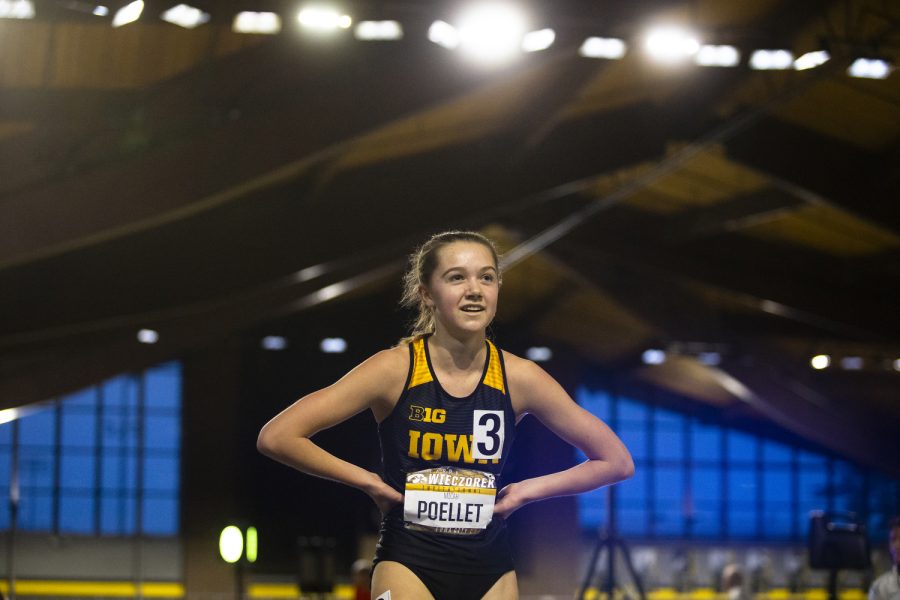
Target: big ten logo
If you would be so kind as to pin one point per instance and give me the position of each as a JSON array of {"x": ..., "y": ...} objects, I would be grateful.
[{"x": 427, "y": 415}]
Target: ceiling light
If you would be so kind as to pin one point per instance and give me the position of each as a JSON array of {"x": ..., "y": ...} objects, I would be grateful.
[
  {"x": 717, "y": 56},
  {"x": 185, "y": 16},
  {"x": 771, "y": 60},
  {"x": 273, "y": 342},
  {"x": 378, "y": 30},
  {"x": 870, "y": 68},
  {"x": 268, "y": 23},
  {"x": 100, "y": 10},
  {"x": 539, "y": 353},
  {"x": 811, "y": 60},
  {"x": 491, "y": 33},
  {"x": 148, "y": 336},
  {"x": 82, "y": 6},
  {"x": 16, "y": 9},
  {"x": 323, "y": 19},
  {"x": 598, "y": 47},
  {"x": 820, "y": 361},
  {"x": 535, "y": 41},
  {"x": 443, "y": 34},
  {"x": 333, "y": 345},
  {"x": 897, "y": 364},
  {"x": 9, "y": 414},
  {"x": 852, "y": 363},
  {"x": 671, "y": 44},
  {"x": 653, "y": 356},
  {"x": 129, "y": 13}
]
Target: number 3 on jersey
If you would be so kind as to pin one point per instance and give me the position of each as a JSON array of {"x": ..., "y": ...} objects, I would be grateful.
[{"x": 487, "y": 434}]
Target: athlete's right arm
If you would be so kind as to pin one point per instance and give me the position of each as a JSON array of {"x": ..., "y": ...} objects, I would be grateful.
[{"x": 375, "y": 384}]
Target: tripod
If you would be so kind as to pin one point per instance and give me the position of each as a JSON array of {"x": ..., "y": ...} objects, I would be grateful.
[{"x": 608, "y": 539}]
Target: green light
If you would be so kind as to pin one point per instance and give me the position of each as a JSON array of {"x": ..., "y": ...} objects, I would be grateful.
[
  {"x": 231, "y": 544},
  {"x": 252, "y": 544}
]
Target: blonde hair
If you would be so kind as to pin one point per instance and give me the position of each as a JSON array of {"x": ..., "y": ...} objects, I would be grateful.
[{"x": 422, "y": 264}]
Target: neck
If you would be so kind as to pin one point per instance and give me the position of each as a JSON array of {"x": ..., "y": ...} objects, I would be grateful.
[{"x": 463, "y": 350}]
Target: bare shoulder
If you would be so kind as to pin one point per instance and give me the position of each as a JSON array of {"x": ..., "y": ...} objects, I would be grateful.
[
  {"x": 528, "y": 382},
  {"x": 383, "y": 368},
  {"x": 525, "y": 371},
  {"x": 385, "y": 372},
  {"x": 394, "y": 359},
  {"x": 518, "y": 367}
]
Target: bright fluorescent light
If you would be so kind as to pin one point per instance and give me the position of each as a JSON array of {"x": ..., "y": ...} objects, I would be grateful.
[
  {"x": 231, "y": 544},
  {"x": 378, "y": 30},
  {"x": 273, "y": 342},
  {"x": 11, "y": 414},
  {"x": 147, "y": 336},
  {"x": 670, "y": 44},
  {"x": 8, "y": 415},
  {"x": 717, "y": 56},
  {"x": 771, "y": 60},
  {"x": 16, "y": 9},
  {"x": 653, "y": 356},
  {"x": 598, "y": 47},
  {"x": 897, "y": 364},
  {"x": 811, "y": 60},
  {"x": 323, "y": 19},
  {"x": 443, "y": 34},
  {"x": 539, "y": 353},
  {"x": 185, "y": 16},
  {"x": 256, "y": 22},
  {"x": 870, "y": 68},
  {"x": 334, "y": 345},
  {"x": 535, "y": 41},
  {"x": 491, "y": 33},
  {"x": 129, "y": 13},
  {"x": 100, "y": 10},
  {"x": 820, "y": 361}
]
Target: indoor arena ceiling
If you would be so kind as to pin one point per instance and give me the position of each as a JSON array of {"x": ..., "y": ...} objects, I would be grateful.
[{"x": 203, "y": 182}]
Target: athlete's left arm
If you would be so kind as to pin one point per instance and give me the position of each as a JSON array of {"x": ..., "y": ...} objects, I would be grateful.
[{"x": 534, "y": 391}]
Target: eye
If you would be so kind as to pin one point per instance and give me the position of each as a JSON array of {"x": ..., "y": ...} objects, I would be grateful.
[
  {"x": 488, "y": 277},
  {"x": 455, "y": 277}
]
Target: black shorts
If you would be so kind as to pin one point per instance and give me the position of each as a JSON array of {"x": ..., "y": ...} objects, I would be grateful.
[
  {"x": 455, "y": 586},
  {"x": 447, "y": 564}
]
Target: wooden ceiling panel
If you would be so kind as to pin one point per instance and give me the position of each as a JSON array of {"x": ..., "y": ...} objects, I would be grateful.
[
  {"x": 72, "y": 55},
  {"x": 827, "y": 229},
  {"x": 595, "y": 323},
  {"x": 861, "y": 112},
  {"x": 24, "y": 52}
]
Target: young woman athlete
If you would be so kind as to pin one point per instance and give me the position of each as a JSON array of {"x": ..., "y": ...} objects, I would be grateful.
[{"x": 446, "y": 401}]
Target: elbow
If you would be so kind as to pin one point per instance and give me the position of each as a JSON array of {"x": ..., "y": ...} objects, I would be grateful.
[
  {"x": 266, "y": 442},
  {"x": 624, "y": 466}
]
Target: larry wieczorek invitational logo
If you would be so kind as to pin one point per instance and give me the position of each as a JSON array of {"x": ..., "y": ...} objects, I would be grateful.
[{"x": 449, "y": 500}]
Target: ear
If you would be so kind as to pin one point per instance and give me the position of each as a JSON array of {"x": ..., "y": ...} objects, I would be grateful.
[{"x": 426, "y": 296}]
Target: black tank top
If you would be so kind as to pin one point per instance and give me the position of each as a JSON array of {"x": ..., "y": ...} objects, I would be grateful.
[{"x": 440, "y": 438}]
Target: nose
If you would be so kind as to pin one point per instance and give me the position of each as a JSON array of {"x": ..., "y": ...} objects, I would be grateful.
[{"x": 473, "y": 287}]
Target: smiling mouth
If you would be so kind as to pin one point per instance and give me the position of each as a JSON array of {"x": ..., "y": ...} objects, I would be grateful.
[{"x": 472, "y": 309}]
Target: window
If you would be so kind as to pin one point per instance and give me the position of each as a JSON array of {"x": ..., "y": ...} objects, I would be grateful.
[
  {"x": 700, "y": 480},
  {"x": 102, "y": 461}
]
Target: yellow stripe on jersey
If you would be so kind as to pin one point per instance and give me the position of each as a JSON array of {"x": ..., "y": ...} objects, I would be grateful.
[
  {"x": 494, "y": 376},
  {"x": 420, "y": 371},
  {"x": 430, "y": 487}
]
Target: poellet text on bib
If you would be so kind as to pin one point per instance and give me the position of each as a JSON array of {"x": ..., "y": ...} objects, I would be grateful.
[{"x": 449, "y": 500}]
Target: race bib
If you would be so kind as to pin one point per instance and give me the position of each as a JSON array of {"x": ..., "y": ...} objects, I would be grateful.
[
  {"x": 487, "y": 434},
  {"x": 449, "y": 500}
]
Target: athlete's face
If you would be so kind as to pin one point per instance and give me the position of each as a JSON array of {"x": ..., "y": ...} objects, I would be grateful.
[{"x": 464, "y": 287}]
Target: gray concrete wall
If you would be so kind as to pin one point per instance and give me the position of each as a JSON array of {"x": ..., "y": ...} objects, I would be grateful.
[{"x": 60, "y": 557}]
